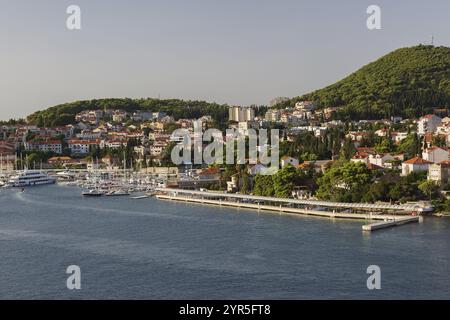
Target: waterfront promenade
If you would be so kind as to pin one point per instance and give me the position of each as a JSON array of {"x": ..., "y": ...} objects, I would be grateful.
[{"x": 364, "y": 211}]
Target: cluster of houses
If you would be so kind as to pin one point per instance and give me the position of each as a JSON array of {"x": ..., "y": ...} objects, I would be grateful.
[
  {"x": 302, "y": 113},
  {"x": 433, "y": 159},
  {"x": 113, "y": 129},
  {"x": 94, "y": 117},
  {"x": 95, "y": 130}
]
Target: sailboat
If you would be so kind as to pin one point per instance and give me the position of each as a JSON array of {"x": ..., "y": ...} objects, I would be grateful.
[
  {"x": 121, "y": 191},
  {"x": 96, "y": 192}
]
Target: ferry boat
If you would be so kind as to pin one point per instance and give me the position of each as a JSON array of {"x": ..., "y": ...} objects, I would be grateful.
[{"x": 30, "y": 178}]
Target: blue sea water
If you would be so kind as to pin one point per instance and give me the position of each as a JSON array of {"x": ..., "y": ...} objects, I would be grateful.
[{"x": 154, "y": 249}]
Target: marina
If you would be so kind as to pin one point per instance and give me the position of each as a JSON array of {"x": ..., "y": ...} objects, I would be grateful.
[{"x": 142, "y": 186}]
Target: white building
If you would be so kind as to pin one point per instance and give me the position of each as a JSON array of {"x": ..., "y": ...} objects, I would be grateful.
[
  {"x": 399, "y": 136},
  {"x": 439, "y": 172},
  {"x": 289, "y": 160},
  {"x": 428, "y": 124},
  {"x": 305, "y": 105},
  {"x": 119, "y": 116},
  {"x": 244, "y": 127},
  {"x": 273, "y": 115},
  {"x": 82, "y": 146},
  {"x": 435, "y": 154},
  {"x": 415, "y": 165},
  {"x": 383, "y": 160},
  {"x": 241, "y": 114},
  {"x": 361, "y": 157},
  {"x": 44, "y": 146}
]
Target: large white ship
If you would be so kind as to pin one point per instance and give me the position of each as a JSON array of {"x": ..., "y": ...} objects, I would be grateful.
[{"x": 30, "y": 178}]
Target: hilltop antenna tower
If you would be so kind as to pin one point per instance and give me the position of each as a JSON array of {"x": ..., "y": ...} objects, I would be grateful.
[{"x": 432, "y": 39}]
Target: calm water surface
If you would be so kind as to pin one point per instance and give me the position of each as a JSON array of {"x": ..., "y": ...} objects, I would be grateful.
[{"x": 152, "y": 249}]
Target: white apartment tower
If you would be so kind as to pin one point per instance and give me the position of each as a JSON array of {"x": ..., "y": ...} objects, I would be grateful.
[
  {"x": 241, "y": 114},
  {"x": 428, "y": 124}
]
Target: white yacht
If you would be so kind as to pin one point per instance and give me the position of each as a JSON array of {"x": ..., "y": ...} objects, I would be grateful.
[
  {"x": 66, "y": 176},
  {"x": 30, "y": 178}
]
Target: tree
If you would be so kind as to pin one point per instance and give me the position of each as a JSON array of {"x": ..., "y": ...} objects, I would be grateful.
[
  {"x": 410, "y": 145},
  {"x": 429, "y": 188},
  {"x": 378, "y": 191},
  {"x": 166, "y": 158},
  {"x": 348, "y": 149},
  {"x": 245, "y": 183},
  {"x": 406, "y": 82},
  {"x": 386, "y": 145},
  {"x": 439, "y": 141},
  {"x": 345, "y": 181},
  {"x": 284, "y": 181},
  {"x": 263, "y": 186}
]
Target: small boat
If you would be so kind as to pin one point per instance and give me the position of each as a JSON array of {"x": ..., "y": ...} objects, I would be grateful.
[
  {"x": 93, "y": 193},
  {"x": 117, "y": 193},
  {"x": 139, "y": 197}
]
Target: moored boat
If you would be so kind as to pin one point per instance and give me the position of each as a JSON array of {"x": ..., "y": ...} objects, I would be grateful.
[
  {"x": 93, "y": 193},
  {"x": 117, "y": 193},
  {"x": 30, "y": 178}
]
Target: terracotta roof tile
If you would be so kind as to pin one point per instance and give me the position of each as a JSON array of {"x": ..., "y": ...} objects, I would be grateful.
[{"x": 417, "y": 160}]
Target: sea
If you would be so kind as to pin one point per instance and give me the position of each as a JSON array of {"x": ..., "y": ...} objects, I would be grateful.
[{"x": 125, "y": 248}]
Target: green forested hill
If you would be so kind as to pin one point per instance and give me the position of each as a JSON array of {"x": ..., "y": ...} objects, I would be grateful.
[
  {"x": 407, "y": 82},
  {"x": 65, "y": 113}
]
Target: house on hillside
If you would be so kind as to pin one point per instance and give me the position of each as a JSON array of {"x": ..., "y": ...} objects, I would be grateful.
[
  {"x": 435, "y": 154},
  {"x": 415, "y": 164},
  {"x": 286, "y": 160},
  {"x": 428, "y": 124},
  {"x": 439, "y": 172}
]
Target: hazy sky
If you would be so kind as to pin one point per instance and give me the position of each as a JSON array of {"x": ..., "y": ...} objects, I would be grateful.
[{"x": 228, "y": 51}]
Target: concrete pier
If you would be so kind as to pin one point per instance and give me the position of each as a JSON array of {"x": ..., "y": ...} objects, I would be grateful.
[
  {"x": 279, "y": 209},
  {"x": 390, "y": 223}
]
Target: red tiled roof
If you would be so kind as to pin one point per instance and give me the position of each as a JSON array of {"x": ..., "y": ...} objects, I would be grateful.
[
  {"x": 365, "y": 149},
  {"x": 210, "y": 171},
  {"x": 41, "y": 142},
  {"x": 417, "y": 160},
  {"x": 360, "y": 155},
  {"x": 428, "y": 116},
  {"x": 74, "y": 141}
]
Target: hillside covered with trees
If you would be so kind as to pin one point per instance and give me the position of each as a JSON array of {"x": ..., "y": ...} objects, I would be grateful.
[
  {"x": 65, "y": 113},
  {"x": 407, "y": 82}
]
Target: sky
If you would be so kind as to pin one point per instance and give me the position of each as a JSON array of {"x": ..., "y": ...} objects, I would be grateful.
[{"x": 238, "y": 52}]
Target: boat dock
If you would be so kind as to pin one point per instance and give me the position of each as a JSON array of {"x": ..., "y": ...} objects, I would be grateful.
[
  {"x": 392, "y": 215},
  {"x": 390, "y": 223}
]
